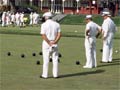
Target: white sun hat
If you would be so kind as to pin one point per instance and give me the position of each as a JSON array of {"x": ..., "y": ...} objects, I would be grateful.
[
  {"x": 106, "y": 13},
  {"x": 88, "y": 16},
  {"x": 47, "y": 14}
]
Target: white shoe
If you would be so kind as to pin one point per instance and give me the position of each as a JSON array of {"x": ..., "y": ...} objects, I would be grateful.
[
  {"x": 86, "y": 67},
  {"x": 43, "y": 77}
]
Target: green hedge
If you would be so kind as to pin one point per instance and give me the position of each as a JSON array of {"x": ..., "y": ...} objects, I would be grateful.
[
  {"x": 73, "y": 19},
  {"x": 80, "y": 19}
]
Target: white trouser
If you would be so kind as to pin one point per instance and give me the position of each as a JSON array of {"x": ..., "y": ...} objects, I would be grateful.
[
  {"x": 3, "y": 23},
  {"x": 7, "y": 22},
  {"x": 21, "y": 23},
  {"x": 107, "y": 48},
  {"x": 35, "y": 21},
  {"x": 46, "y": 54},
  {"x": 31, "y": 22},
  {"x": 90, "y": 48},
  {"x": 18, "y": 22}
]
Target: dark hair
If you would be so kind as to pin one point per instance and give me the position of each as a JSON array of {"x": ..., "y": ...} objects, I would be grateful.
[{"x": 89, "y": 19}]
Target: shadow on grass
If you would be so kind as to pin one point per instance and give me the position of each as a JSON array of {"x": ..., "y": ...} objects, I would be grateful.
[
  {"x": 37, "y": 34},
  {"x": 116, "y": 59},
  {"x": 114, "y": 62},
  {"x": 84, "y": 73}
]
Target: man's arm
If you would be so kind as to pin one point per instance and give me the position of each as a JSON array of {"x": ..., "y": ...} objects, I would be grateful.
[
  {"x": 105, "y": 29},
  {"x": 104, "y": 34},
  {"x": 99, "y": 32},
  {"x": 44, "y": 37},
  {"x": 87, "y": 33},
  {"x": 57, "y": 38},
  {"x": 53, "y": 42}
]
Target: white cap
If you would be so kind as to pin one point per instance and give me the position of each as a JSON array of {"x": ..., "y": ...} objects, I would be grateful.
[
  {"x": 106, "y": 13},
  {"x": 47, "y": 14},
  {"x": 88, "y": 16}
]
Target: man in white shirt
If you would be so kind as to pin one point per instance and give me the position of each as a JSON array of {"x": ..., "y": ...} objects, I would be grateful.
[
  {"x": 35, "y": 18},
  {"x": 17, "y": 18},
  {"x": 92, "y": 30},
  {"x": 31, "y": 18},
  {"x": 22, "y": 19},
  {"x": 51, "y": 33},
  {"x": 4, "y": 20},
  {"x": 8, "y": 19},
  {"x": 108, "y": 30},
  {"x": 13, "y": 19}
]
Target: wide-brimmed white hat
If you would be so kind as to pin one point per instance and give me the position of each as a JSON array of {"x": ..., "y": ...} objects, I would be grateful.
[
  {"x": 47, "y": 14},
  {"x": 88, "y": 16},
  {"x": 106, "y": 13}
]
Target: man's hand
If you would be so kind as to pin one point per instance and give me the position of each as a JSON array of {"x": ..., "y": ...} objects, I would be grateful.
[
  {"x": 46, "y": 39},
  {"x": 97, "y": 35},
  {"x": 52, "y": 43},
  {"x": 103, "y": 38}
]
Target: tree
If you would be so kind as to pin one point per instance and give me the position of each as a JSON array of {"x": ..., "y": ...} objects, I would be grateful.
[{"x": 12, "y": 5}]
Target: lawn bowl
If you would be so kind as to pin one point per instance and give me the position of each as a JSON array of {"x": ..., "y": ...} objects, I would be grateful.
[
  {"x": 77, "y": 62},
  {"x": 22, "y": 56},
  {"x": 34, "y": 54},
  {"x": 38, "y": 62},
  {"x": 9, "y": 53},
  {"x": 40, "y": 53}
]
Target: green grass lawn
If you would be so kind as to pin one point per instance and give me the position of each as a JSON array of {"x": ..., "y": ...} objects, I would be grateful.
[{"x": 23, "y": 74}]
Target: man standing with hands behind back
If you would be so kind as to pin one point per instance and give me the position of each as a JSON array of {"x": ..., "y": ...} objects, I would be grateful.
[
  {"x": 108, "y": 30},
  {"x": 51, "y": 33}
]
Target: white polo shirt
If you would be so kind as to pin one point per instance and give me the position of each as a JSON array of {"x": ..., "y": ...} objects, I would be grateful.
[
  {"x": 50, "y": 28},
  {"x": 93, "y": 27},
  {"x": 108, "y": 26}
]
